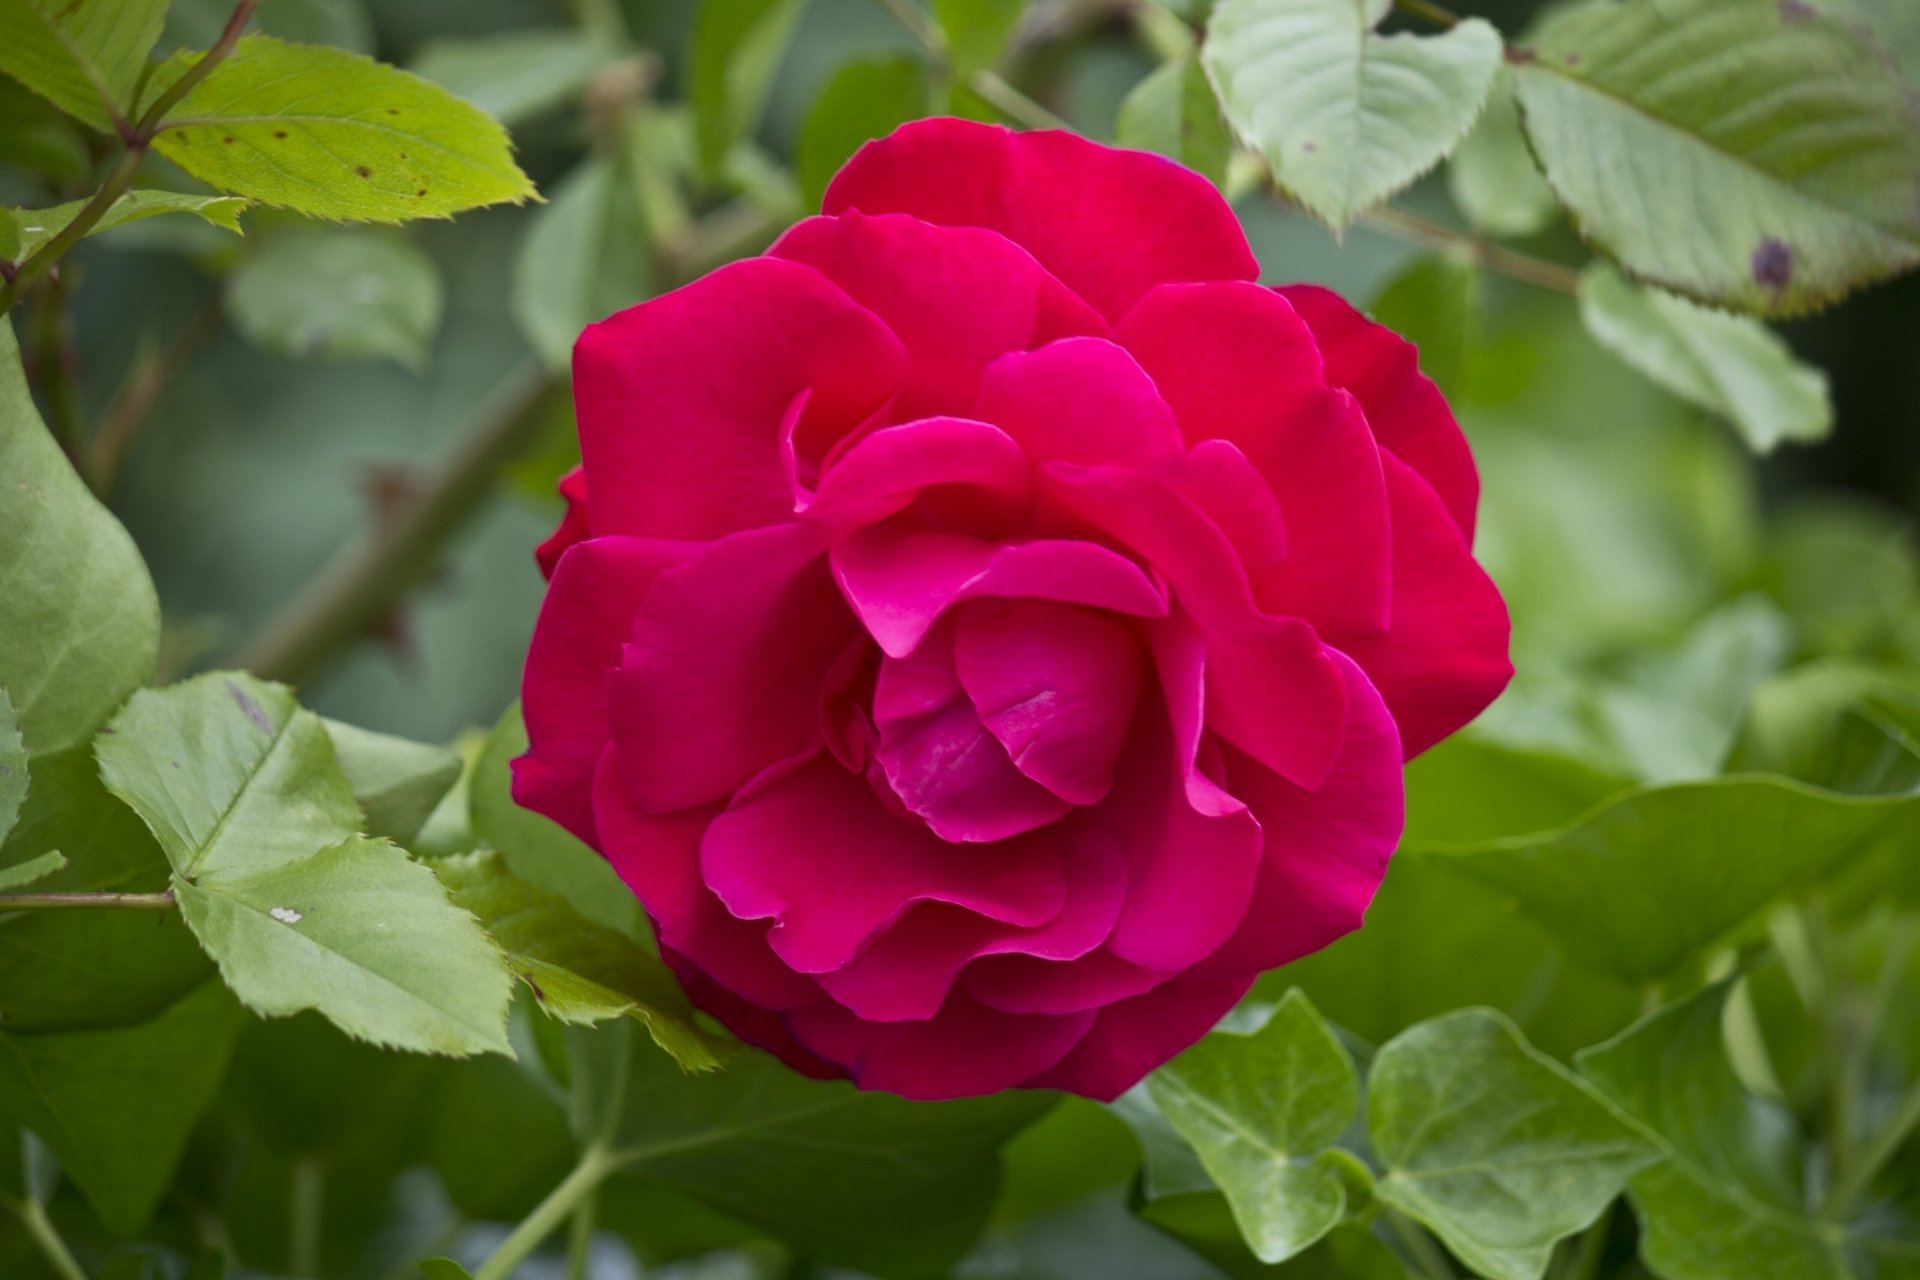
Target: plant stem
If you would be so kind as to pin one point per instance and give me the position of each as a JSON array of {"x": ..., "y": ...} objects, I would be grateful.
[
  {"x": 123, "y": 420},
  {"x": 595, "y": 1164},
  {"x": 1426, "y": 1254},
  {"x": 307, "y": 1198},
  {"x": 921, "y": 27},
  {"x": 169, "y": 98},
  {"x": 162, "y": 901},
  {"x": 580, "y": 1236},
  {"x": 1527, "y": 269},
  {"x": 1015, "y": 103},
  {"x": 1859, "y": 1175},
  {"x": 1436, "y": 14},
  {"x": 46, "y": 1237}
]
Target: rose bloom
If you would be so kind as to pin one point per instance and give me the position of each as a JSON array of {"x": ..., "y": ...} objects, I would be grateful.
[{"x": 987, "y": 630}]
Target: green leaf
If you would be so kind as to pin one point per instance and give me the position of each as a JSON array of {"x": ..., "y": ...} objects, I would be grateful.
[
  {"x": 397, "y": 783},
  {"x": 443, "y": 1269},
  {"x": 116, "y": 1107},
  {"x": 230, "y": 773},
  {"x": 13, "y": 771},
  {"x": 1345, "y": 117},
  {"x": 867, "y": 98},
  {"x": 1492, "y": 177},
  {"x": 24, "y": 231},
  {"x": 515, "y": 74},
  {"x": 363, "y": 934},
  {"x": 1749, "y": 153},
  {"x": 336, "y": 293},
  {"x": 497, "y": 1170},
  {"x": 862, "y": 1180},
  {"x": 32, "y": 869},
  {"x": 1435, "y": 304},
  {"x": 1495, "y": 1146},
  {"x": 586, "y": 255},
  {"x": 1257, "y": 1107},
  {"x": 737, "y": 47},
  {"x": 1895, "y": 23},
  {"x": 1728, "y": 1200},
  {"x": 578, "y": 971},
  {"x": 83, "y": 625},
  {"x": 335, "y": 135},
  {"x": 977, "y": 30},
  {"x": 1173, "y": 112},
  {"x": 86, "y": 59},
  {"x": 1729, "y": 365}
]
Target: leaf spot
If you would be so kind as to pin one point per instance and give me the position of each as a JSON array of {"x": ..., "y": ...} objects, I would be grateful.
[
  {"x": 250, "y": 707},
  {"x": 279, "y": 133},
  {"x": 285, "y": 915},
  {"x": 1794, "y": 12},
  {"x": 363, "y": 171},
  {"x": 1772, "y": 264}
]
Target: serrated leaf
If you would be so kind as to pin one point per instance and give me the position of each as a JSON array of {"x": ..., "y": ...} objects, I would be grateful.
[
  {"x": 32, "y": 869},
  {"x": 337, "y": 293},
  {"x": 1751, "y": 153},
  {"x": 977, "y": 30},
  {"x": 361, "y": 933},
  {"x": 84, "y": 58},
  {"x": 867, "y": 98},
  {"x": 1492, "y": 177},
  {"x": 335, "y": 135},
  {"x": 116, "y": 1107},
  {"x": 579, "y": 972},
  {"x": 396, "y": 782},
  {"x": 82, "y": 622},
  {"x": 514, "y": 74},
  {"x": 1173, "y": 112},
  {"x": 737, "y": 48},
  {"x": 13, "y": 773},
  {"x": 1492, "y": 1144},
  {"x": 1345, "y": 117},
  {"x": 1729, "y": 365},
  {"x": 1257, "y": 1108},
  {"x": 24, "y": 231}
]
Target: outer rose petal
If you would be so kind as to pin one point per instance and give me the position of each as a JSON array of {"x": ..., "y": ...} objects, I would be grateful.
[
  {"x": 762, "y": 1028},
  {"x": 682, "y": 439},
  {"x": 957, "y": 297},
  {"x": 1131, "y": 1038},
  {"x": 596, "y": 589},
  {"x": 723, "y": 674},
  {"x": 573, "y": 525},
  {"x": 816, "y": 851},
  {"x": 1110, "y": 224},
  {"x": 967, "y": 1049},
  {"x": 1446, "y": 657},
  {"x": 1406, "y": 411}
]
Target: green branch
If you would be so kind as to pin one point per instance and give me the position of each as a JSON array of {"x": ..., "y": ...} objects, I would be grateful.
[
  {"x": 46, "y": 1237},
  {"x": 596, "y": 1163},
  {"x": 162, "y": 901}
]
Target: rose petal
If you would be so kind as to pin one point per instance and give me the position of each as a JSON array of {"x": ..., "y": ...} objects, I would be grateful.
[
  {"x": 1446, "y": 657},
  {"x": 885, "y": 471},
  {"x": 967, "y": 1049},
  {"x": 1080, "y": 400},
  {"x": 1026, "y": 984},
  {"x": 1237, "y": 364},
  {"x": 899, "y": 579},
  {"x": 588, "y": 612},
  {"x": 1236, "y": 497},
  {"x": 956, "y": 297},
  {"x": 817, "y": 852},
  {"x": 1055, "y": 684},
  {"x": 760, "y": 1027},
  {"x": 724, "y": 671},
  {"x": 1109, "y": 224},
  {"x": 1132, "y": 1037},
  {"x": 573, "y": 525},
  {"x": 681, "y": 437},
  {"x": 1406, "y": 411}
]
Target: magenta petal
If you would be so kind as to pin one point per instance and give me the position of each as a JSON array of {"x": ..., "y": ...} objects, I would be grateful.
[
  {"x": 1109, "y": 223},
  {"x": 1131, "y": 1038},
  {"x": 596, "y": 590},
  {"x": 884, "y": 471},
  {"x": 1326, "y": 850},
  {"x": 1027, "y": 984},
  {"x": 899, "y": 580},
  {"x": 1080, "y": 400},
  {"x": 966, "y": 1049},
  {"x": 681, "y": 399},
  {"x": 724, "y": 671},
  {"x": 760, "y": 1027},
  {"x": 1238, "y": 498},
  {"x": 957, "y": 297},
  {"x": 1406, "y": 411},
  {"x": 1055, "y": 684},
  {"x": 573, "y": 525},
  {"x": 1237, "y": 364},
  {"x": 816, "y": 852},
  {"x": 1445, "y": 658},
  {"x": 659, "y": 858}
]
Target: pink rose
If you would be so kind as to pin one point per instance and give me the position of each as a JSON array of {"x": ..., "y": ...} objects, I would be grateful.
[{"x": 988, "y": 628}]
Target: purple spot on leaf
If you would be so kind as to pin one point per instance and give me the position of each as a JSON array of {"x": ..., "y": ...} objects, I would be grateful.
[
  {"x": 250, "y": 707},
  {"x": 1772, "y": 264}
]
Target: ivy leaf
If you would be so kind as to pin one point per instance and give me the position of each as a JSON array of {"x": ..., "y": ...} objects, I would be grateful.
[
  {"x": 1257, "y": 1108},
  {"x": 1492, "y": 177},
  {"x": 867, "y": 98},
  {"x": 1495, "y": 1146},
  {"x": 977, "y": 30},
  {"x": 336, "y": 293},
  {"x": 83, "y": 624},
  {"x": 13, "y": 772},
  {"x": 579, "y": 972},
  {"x": 116, "y": 1106},
  {"x": 24, "y": 231},
  {"x": 1749, "y": 153},
  {"x": 86, "y": 59},
  {"x": 335, "y": 135},
  {"x": 737, "y": 47},
  {"x": 1345, "y": 117},
  {"x": 242, "y": 790},
  {"x": 516, "y": 74},
  {"x": 1173, "y": 112},
  {"x": 1729, "y": 365},
  {"x": 397, "y": 783}
]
